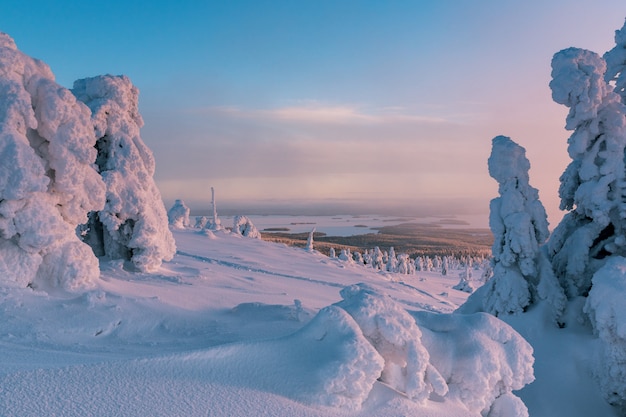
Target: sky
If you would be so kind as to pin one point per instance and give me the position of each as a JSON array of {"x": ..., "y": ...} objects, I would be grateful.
[{"x": 350, "y": 105}]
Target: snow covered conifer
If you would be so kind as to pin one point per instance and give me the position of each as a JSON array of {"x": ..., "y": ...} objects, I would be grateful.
[
  {"x": 519, "y": 224},
  {"x": 133, "y": 223},
  {"x": 309, "y": 241},
  {"x": 178, "y": 215},
  {"x": 392, "y": 261},
  {"x": 47, "y": 180},
  {"x": 243, "y": 226},
  {"x": 214, "y": 222},
  {"x": 593, "y": 187},
  {"x": 616, "y": 63}
]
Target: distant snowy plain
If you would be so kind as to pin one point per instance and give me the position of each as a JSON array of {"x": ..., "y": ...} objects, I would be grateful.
[{"x": 229, "y": 328}]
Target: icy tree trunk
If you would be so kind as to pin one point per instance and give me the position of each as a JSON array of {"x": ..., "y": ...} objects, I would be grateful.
[{"x": 134, "y": 220}]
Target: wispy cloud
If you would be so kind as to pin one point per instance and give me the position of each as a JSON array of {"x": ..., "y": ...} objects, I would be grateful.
[{"x": 314, "y": 113}]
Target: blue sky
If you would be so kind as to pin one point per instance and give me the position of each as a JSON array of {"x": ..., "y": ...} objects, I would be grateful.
[{"x": 377, "y": 102}]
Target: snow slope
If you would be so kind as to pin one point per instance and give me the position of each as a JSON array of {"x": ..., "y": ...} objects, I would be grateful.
[
  {"x": 223, "y": 329},
  {"x": 232, "y": 327}
]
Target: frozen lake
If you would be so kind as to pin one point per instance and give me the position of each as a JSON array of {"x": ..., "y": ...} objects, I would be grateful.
[{"x": 350, "y": 225}]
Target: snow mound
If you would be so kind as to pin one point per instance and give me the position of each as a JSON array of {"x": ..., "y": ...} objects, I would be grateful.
[
  {"x": 133, "y": 223},
  {"x": 482, "y": 359},
  {"x": 394, "y": 334},
  {"x": 47, "y": 180},
  {"x": 328, "y": 362},
  {"x": 607, "y": 312}
]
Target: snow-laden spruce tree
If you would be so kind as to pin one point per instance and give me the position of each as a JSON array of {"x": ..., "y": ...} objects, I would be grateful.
[
  {"x": 519, "y": 224},
  {"x": 593, "y": 186},
  {"x": 243, "y": 226},
  {"x": 178, "y": 215},
  {"x": 616, "y": 63},
  {"x": 47, "y": 180},
  {"x": 133, "y": 223}
]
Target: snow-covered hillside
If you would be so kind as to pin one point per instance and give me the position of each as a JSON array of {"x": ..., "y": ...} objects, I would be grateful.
[
  {"x": 232, "y": 327},
  {"x": 105, "y": 310}
]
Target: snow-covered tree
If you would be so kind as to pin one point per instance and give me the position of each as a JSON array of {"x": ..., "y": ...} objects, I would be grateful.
[
  {"x": 593, "y": 187},
  {"x": 392, "y": 261},
  {"x": 214, "y": 223},
  {"x": 243, "y": 226},
  {"x": 178, "y": 215},
  {"x": 201, "y": 222},
  {"x": 310, "y": 241},
  {"x": 133, "y": 223},
  {"x": 519, "y": 224},
  {"x": 346, "y": 256},
  {"x": 332, "y": 253},
  {"x": 48, "y": 183},
  {"x": 607, "y": 313},
  {"x": 377, "y": 258},
  {"x": 616, "y": 63}
]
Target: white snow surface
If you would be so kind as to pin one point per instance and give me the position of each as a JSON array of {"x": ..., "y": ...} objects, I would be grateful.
[{"x": 238, "y": 327}]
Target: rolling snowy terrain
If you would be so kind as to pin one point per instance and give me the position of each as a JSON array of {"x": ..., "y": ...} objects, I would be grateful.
[
  {"x": 112, "y": 306},
  {"x": 227, "y": 328}
]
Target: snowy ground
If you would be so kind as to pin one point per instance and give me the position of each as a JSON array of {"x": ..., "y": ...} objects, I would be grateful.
[{"x": 226, "y": 329}]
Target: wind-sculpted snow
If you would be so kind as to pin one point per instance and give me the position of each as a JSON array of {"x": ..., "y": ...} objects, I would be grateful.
[
  {"x": 481, "y": 358},
  {"x": 397, "y": 338},
  {"x": 47, "y": 180},
  {"x": 607, "y": 312},
  {"x": 133, "y": 224},
  {"x": 475, "y": 359}
]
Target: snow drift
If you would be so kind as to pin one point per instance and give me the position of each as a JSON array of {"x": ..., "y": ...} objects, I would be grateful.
[{"x": 475, "y": 359}]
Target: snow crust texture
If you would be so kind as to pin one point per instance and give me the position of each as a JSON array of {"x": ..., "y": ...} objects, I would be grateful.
[
  {"x": 133, "y": 224},
  {"x": 475, "y": 359},
  {"x": 482, "y": 359},
  {"x": 48, "y": 183},
  {"x": 607, "y": 312},
  {"x": 397, "y": 338}
]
